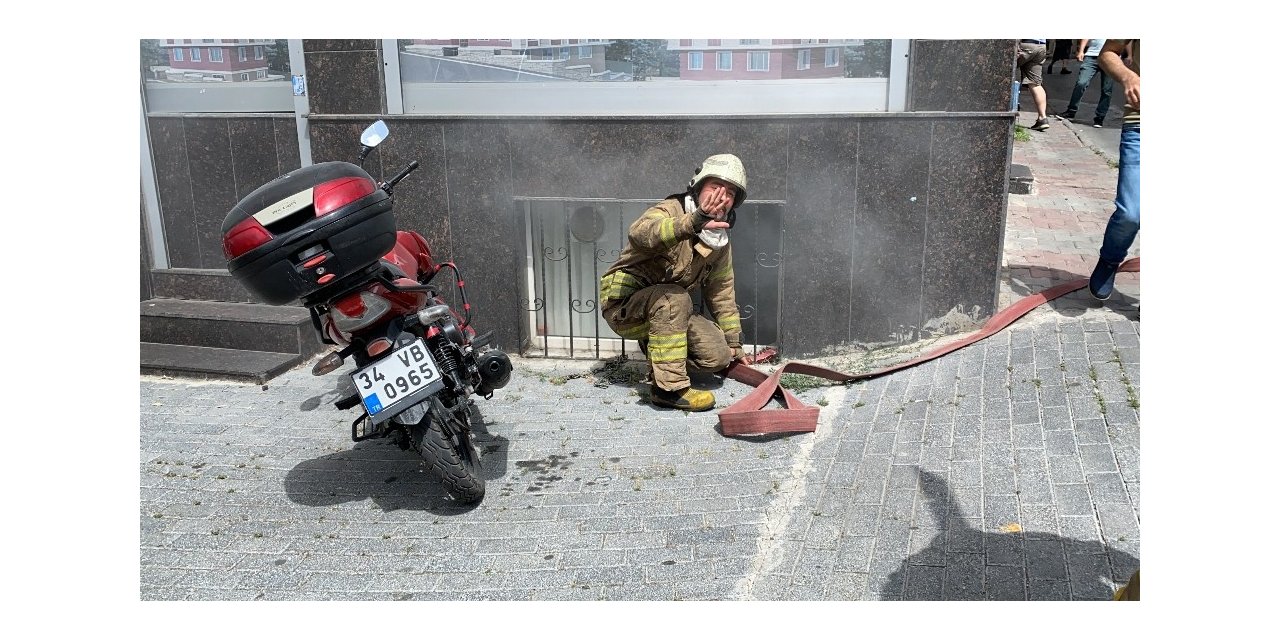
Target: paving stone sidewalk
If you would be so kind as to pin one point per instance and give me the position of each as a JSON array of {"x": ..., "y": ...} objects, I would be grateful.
[{"x": 1007, "y": 470}]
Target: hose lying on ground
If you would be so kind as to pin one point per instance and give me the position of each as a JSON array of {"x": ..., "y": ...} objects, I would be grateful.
[{"x": 749, "y": 417}]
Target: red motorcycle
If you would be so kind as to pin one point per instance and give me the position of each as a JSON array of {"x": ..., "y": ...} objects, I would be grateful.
[{"x": 325, "y": 235}]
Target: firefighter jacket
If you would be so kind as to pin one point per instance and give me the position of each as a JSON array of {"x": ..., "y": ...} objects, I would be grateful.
[{"x": 663, "y": 248}]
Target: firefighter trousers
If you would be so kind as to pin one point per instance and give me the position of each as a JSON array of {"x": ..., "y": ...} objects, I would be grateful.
[{"x": 675, "y": 340}]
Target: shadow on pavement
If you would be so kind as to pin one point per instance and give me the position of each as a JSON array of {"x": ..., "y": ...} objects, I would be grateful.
[
  {"x": 342, "y": 387},
  {"x": 961, "y": 555},
  {"x": 1073, "y": 304},
  {"x": 393, "y": 478}
]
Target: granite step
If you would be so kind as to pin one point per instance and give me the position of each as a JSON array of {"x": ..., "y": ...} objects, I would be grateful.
[
  {"x": 188, "y": 361},
  {"x": 200, "y": 284},
  {"x": 228, "y": 325}
]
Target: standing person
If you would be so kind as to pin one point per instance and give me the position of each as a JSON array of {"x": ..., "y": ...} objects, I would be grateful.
[
  {"x": 1088, "y": 57},
  {"x": 1061, "y": 51},
  {"x": 1031, "y": 55},
  {"x": 676, "y": 245},
  {"x": 1122, "y": 228}
]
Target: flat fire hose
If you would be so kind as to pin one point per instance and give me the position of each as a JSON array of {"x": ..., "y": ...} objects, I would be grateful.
[{"x": 749, "y": 417}]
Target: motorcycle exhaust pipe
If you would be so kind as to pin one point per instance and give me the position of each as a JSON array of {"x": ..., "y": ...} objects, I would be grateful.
[{"x": 495, "y": 371}]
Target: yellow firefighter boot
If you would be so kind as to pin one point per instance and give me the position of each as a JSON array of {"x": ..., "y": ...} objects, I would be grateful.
[{"x": 688, "y": 398}]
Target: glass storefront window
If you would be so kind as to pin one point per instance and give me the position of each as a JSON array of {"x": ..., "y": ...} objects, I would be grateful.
[
  {"x": 216, "y": 76},
  {"x": 643, "y": 77}
]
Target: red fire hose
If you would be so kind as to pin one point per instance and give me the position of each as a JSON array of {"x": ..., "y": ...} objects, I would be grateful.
[{"x": 749, "y": 417}]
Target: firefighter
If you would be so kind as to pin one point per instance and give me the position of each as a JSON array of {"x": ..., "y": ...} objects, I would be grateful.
[{"x": 677, "y": 245}]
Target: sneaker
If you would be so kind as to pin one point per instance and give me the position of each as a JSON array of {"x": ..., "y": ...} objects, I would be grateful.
[
  {"x": 1103, "y": 280},
  {"x": 1042, "y": 124},
  {"x": 688, "y": 398},
  {"x": 1097, "y": 123},
  {"x": 1067, "y": 115}
]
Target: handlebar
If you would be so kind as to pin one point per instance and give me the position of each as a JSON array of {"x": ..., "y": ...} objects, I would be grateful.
[{"x": 390, "y": 184}]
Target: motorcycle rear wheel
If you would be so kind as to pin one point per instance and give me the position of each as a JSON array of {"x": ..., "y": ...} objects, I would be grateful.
[{"x": 442, "y": 439}]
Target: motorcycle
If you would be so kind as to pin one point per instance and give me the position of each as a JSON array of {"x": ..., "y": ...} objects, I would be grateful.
[{"x": 325, "y": 235}]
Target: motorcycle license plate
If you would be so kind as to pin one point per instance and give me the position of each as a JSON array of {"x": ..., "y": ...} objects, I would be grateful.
[{"x": 406, "y": 377}]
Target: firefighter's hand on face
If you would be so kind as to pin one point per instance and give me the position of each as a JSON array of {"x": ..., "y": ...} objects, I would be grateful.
[{"x": 715, "y": 205}]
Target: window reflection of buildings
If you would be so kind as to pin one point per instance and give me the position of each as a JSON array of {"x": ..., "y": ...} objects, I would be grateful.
[
  {"x": 761, "y": 59},
  {"x": 575, "y": 59},
  {"x": 209, "y": 60}
]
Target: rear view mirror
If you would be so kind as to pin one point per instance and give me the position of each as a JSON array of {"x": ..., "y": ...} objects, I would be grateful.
[{"x": 375, "y": 134}]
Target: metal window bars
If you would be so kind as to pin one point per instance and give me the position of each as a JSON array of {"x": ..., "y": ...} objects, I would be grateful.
[{"x": 571, "y": 242}]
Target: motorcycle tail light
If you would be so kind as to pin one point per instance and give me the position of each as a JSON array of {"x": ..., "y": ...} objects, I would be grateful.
[
  {"x": 378, "y": 346},
  {"x": 244, "y": 237},
  {"x": 354, "y": 313},
  {"x": 336, "y": 194}
]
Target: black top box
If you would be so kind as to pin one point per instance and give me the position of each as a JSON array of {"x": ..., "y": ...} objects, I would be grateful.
[{"x": 306, "y": 230}]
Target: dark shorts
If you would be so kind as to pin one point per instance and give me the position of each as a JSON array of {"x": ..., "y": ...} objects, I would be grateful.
[{"x": 1030, "y": 60}]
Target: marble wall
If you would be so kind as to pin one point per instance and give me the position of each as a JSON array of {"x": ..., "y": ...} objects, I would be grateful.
[
  {"x": 888, "y": 220},
  {"x": 204, "y": 165}
]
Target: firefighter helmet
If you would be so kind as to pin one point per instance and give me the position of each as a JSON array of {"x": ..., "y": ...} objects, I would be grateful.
[{"x": 724, "y": 166}]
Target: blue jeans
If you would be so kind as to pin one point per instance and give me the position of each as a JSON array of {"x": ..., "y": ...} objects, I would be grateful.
[
  {"x": 1122, "y": 228},
  {"x": 1088, "y": 69}
]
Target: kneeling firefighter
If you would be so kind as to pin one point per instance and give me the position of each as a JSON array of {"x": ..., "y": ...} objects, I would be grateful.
[{"x": 676, "y": 245}]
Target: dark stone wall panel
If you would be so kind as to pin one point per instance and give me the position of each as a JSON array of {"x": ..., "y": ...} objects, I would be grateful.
[
  {"x": 962, "y": 75},
  {"x": 818, "y": 225},
  {"x": 422, "y": 199},
  {"x": 889, "y": 227},
  {"x": 288, "y": 157},
  {"x": 761, "y": 144},
  {"x": 603, "y": 159},
  {"x": 309, "y": 46},
  {"x": 640, "y": 159},
  {"x": 345, "y": 82},
  {"x": 212, "y": 182},
  {"x": 484, "y": 235},
  {"x": 253, "y": 163},
  {"x": 144, "y": 288},
  {"x": 966, "y": 215},
  {"x": 341, "y": 141},
  {"x": 173, "y": 178}
]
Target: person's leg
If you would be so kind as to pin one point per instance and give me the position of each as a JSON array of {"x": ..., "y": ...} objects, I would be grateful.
[
  {"x": 659, "y": 316},
  {"x": 1087, "y": 70},
  {"x": 1042, "y": 101},
  {"x": 708, "y": 350},
  {"x": 1123, "y": 226},
  {"x": 1104, "y": 101}
]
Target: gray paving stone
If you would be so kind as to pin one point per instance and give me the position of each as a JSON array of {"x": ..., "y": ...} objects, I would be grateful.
[
  {"x": 966, "y": 449},
  {"x": 1090, "y": 577},
  {"x": 1004, "y": 583},
  {"x": 1039, "y": 522},
  {"x": 999, "y": 511},
  {"x": 1097, "y": 458},
  {"x": 964, "y": 535},
  {"x": 963, "y": 577},
  {"x": 1065, "y": 469},
  {"x": 1048, "y": 590},
  {"x": 1119, "y": 524},
  {"x": 846, "y": 586},
  {"x": 924, "y": 583}
]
